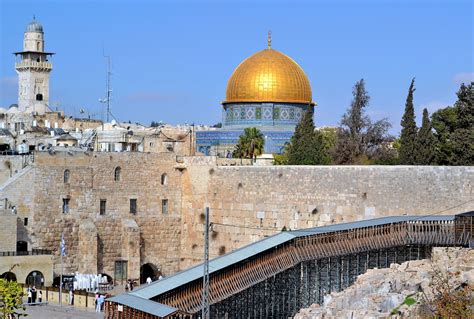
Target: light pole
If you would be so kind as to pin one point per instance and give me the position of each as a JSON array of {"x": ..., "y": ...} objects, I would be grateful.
[{"x": 205, "y": 279}]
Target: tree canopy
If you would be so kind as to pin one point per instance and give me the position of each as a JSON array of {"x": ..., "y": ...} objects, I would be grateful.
[
  {"x": 250, "y": 144},
  {"x": 359, "y": 140},
  {"x": 307, "y": 145},
  {"x": 425, "y": 143},
  {"x": 408, "y": 134},
  {"x": 454, "y": 130},
  {"x": 10, "y": 299}
]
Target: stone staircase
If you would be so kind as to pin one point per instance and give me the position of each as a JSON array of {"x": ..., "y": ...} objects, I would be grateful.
[{"x": 15, "y": 177}]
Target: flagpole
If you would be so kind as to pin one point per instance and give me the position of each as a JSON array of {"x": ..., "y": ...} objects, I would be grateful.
[{"x": 61, "y": 274}]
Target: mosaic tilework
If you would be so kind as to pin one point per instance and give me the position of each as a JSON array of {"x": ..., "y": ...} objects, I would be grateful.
[
  {"x": 262, "y": 114},
  {"x": 274, "y": 141}
]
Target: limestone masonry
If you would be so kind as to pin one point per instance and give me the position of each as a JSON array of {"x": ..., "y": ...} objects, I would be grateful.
[{"x": 147, "y": 208}]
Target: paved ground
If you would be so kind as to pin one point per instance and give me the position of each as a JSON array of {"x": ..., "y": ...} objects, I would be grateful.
[{"x": 56, "y": 312}]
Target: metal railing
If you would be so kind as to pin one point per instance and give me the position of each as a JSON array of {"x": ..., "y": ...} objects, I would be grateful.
[{"x": 33, "y": 252}]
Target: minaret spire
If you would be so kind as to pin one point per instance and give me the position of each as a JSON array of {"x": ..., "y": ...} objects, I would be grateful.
[{"x": 269, "y": 39}]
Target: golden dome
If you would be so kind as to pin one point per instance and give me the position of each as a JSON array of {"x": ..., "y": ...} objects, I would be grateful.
[{"x": 268, "y": 76}]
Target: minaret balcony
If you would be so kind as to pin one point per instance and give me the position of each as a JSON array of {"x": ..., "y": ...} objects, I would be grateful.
[{"x": 33, "y": 65}]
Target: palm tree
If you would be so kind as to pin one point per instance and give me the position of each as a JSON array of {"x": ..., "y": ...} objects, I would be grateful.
[{"x": 250, "y": 144}]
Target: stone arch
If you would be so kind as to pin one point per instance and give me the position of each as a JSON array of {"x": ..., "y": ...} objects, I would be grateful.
[
  {"x": 149, "y": 270},
  {"x": 9, "y": 276},
  {"x": 109, "y": 278},
  {"x": 35, "y": 278}
]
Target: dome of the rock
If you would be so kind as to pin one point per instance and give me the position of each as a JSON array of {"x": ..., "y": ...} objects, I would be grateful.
[{"x": 268, "y": 76}]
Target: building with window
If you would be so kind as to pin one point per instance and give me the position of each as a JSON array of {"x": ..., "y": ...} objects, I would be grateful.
[{"x": 269, "y": 91}]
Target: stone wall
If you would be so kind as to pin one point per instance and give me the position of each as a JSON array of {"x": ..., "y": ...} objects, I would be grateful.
[
  {"x": 10, "y": 165},
  {"x": 246, "y": 204},
  {"x": 94, "y": 241},
  {"x": 8, "y": 233},
  {"x": 294, "y": 197}
]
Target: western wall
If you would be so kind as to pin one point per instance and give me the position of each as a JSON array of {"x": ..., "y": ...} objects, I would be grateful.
[{"x": 246, "y": 203}]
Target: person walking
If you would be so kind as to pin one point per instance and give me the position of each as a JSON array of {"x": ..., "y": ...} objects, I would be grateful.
[
  {"x": 98, "y": 305},
  {"x": 40, "y": 296},
  {"x": 101, "y": 302}
]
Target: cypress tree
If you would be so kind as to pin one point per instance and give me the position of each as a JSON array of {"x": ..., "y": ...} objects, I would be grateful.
[
  {"x": 299, "y": 150},
  {"x": 306, "y": 146},
  {"x": 409, "y": 130},
  {"x": 425, "y": 142}
]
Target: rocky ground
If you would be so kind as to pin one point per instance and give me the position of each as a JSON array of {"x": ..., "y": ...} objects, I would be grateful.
[{"x": 399, "y": 291}]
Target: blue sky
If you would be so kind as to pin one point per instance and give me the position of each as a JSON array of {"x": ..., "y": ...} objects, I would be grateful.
[{"x": 172, "y": 59}]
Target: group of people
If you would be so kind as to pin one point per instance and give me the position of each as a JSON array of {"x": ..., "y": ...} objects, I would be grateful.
[
  {"x": 99, "y": 301},
  {"x": 32, "y": 294},
  {"x": 89, "y": 282},
  {"x": 129, "y": 285}
]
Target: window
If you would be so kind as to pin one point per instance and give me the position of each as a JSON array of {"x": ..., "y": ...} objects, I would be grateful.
[
  {"x": 164, "y": 206},
  {"x": 67, "y": 175},
  {"x": 164, "y": 179},
  {"x": 103, "y": 204},
  {"x": 25, "y": 221},
  {"x": 66, "y": 205},
  {"x": 117, "y": 172},
  {"x": 39, "y": 97},
  {"x": 133, "y": 206}
]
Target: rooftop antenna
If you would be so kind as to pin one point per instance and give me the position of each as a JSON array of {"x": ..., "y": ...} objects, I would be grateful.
[{"x": 107, "y": 84}]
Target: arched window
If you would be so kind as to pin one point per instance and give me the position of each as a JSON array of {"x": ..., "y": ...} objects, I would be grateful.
[
  {"x": 35, "y": 278},
  {"x": 37, "y": 46},
  {"x": 164, "y": 179},
  {"x": 9, "y": 276},
  {"x": 67, "y": 175},
  {"x": 117, "y": 172}
]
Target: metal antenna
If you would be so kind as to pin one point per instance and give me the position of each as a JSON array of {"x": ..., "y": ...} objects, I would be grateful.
[
  {"x": 205, "y": 280},
  {"x": 107, "y": 84}
]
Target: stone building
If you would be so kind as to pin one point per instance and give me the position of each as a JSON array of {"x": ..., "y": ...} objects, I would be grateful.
[
  {"x": 33, "y": 71},
  {"x": 269, "y": 91}
]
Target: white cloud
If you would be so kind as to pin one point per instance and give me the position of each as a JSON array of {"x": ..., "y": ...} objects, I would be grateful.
[{"x": 463, "y": 78}]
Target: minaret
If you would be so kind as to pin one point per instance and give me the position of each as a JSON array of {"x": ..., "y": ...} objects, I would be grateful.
[{"x": 33, "y": 71}]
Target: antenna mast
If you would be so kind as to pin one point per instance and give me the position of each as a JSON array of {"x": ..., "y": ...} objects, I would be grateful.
[
  {"x": 108, "y": 88},
  {"x": 109, "y": 73}
]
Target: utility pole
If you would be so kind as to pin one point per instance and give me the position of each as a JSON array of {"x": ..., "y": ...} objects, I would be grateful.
[{"x": 205, "y": 280}]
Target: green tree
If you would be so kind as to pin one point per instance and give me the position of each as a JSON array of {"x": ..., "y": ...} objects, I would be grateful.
[
  {"x": 10, "y": 299},
  {"x": 307, "y": 146},
  {"x": 409, "y": 130},
  {"x": 359, "y": 140},
  {"x": 454, "y": 130},
  {"x": 250, "y": 144},
  {"x": 463, "y": 135},
  {"x": 425, "y": 152}
]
